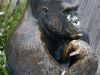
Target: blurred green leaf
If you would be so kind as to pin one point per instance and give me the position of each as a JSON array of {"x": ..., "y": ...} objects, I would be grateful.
[{"x": 7, "y": 25}]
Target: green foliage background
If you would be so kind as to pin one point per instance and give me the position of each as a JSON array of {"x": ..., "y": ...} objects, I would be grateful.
[{"x": 7, "y": 25}]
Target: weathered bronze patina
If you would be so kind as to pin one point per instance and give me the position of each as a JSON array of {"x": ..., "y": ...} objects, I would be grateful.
[{"x": 42, "y": 42}]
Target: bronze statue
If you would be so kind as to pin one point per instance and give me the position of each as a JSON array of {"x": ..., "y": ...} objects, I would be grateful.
[{"x": 40, "y": 44}]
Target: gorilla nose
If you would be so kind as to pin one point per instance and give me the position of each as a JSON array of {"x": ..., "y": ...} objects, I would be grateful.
[
  {"x": 74, "y": 27},
  {"x": 73, "y": 19}
]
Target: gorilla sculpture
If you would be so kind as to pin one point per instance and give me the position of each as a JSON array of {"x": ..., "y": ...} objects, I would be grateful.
[{"x": 41, "y": 43}]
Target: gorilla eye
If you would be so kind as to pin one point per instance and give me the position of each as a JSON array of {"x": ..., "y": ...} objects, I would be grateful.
[
  {"x": 66, "y": 11},
  {"x": 45, "y": 9}
]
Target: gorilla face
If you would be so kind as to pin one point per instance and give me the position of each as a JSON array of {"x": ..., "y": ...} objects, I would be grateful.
[
  {"x": 60, "y": 22},
  {"x": 58, "y": 17}
]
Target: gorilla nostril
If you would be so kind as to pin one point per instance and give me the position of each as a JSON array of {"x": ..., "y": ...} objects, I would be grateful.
[
  {"x": 69, "y": 17},
  {"x": 75, "y": 19}
]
